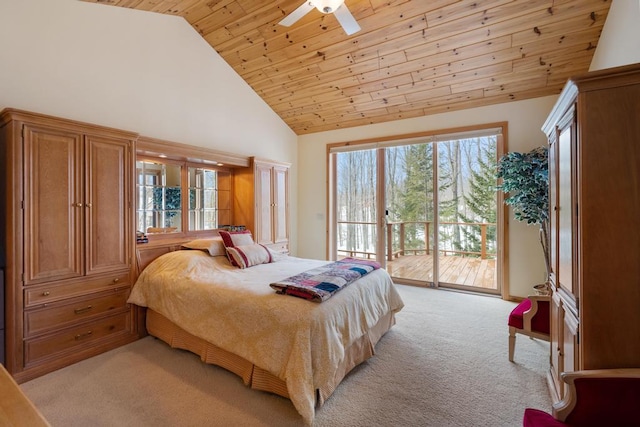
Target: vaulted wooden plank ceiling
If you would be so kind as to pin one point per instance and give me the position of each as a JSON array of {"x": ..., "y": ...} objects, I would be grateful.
[{"x": 411, "y": 58}]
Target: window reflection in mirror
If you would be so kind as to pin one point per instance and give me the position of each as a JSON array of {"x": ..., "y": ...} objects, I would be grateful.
[
  {"x": 159, "y": 207},
  {"x": 209, "y": 198}
]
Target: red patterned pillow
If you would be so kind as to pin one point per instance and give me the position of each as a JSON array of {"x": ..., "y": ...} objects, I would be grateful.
[{"x": 231, "y": 239}]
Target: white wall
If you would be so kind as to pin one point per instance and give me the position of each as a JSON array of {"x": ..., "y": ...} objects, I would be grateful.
[
  {"x": 619, "y": 43},
  {"x": 526, "y": 264},
  {"x": 140, "y": 71}
]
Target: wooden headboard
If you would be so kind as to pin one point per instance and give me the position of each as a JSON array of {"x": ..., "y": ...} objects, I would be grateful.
[{"x": 147, "y": 252}]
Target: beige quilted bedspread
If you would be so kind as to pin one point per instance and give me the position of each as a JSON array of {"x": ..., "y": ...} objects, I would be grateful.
[{"x": 297, "y": 340}]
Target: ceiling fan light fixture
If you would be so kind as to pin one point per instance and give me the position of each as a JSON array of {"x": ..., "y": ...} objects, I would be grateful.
[
  {"x": 327, "y": 6},
  {"x": 336, "y": 7}
]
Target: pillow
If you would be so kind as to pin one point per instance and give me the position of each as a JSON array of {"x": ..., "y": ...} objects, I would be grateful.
[
  {"x": 245, "y": 256},
  {"x": 236, "y": 238},
  {"x": 232, "y": 239},
  {"x": 214, "y": 246}
]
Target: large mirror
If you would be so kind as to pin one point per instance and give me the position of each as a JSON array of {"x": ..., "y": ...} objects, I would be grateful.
[
  {"x": 209, "y": 198},
  {"x": 159, "y": 207}
]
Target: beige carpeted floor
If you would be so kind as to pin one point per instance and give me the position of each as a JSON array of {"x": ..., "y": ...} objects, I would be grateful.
[{"x": 444, "y": 364}]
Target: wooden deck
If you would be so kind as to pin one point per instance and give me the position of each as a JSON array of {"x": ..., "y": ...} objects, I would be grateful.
[{"x": 473, "y": 272}]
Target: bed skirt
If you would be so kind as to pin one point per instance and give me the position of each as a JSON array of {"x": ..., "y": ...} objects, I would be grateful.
[{"x": 254, "y": 376}]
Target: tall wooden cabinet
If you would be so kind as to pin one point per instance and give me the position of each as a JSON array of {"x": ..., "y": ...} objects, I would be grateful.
[
  {"x": 69, "y": 240},
  {"x": 594, "y": 171},
  {"x": 1, "y": 317},
  {"x": 261, "y": 202}
]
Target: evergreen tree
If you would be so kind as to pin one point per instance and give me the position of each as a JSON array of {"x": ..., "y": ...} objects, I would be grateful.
[
  {"x": 416, "y": 198},
  {"x": 480, "y": 202},
  {"x": 449, "y": 191}
]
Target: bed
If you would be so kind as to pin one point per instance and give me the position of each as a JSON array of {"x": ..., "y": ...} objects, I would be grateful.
[{"x": 282, "y": 344}]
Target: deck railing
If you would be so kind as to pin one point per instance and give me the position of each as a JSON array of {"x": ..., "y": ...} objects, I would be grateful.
[{"x": 401, "y": 250}]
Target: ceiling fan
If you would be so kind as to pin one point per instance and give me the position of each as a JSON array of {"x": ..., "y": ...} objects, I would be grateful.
[{"x": 337, "y": 7}]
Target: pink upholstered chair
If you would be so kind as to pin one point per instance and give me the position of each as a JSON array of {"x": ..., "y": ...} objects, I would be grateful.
[
  {"x": 531, "y": 318},
  {"x": 595, "y": 398}
]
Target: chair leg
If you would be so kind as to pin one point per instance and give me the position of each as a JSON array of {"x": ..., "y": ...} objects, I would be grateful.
[{"x": 512, "y": 343}]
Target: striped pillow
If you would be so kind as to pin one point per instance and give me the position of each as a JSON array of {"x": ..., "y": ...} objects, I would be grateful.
[
  {"x": 246, "y": 256},
  {"x": 231, "y": 239}
]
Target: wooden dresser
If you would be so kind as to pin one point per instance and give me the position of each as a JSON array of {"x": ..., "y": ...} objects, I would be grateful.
[
  {"x": 594, "y": 171},
  {"x": 1, "y": 316},
  {"x": 69, "y": 240}
]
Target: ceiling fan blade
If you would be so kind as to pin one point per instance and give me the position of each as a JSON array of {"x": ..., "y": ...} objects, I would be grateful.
[
  {"x": 346, "y": 19},
  {"x": 302, "y": 10}
]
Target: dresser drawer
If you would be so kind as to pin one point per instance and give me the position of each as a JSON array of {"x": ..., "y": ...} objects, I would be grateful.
[
  {"x": 37, "y": 295},
  {"x": 76, "y": 338},
  {"x": 66, "y": 313}
]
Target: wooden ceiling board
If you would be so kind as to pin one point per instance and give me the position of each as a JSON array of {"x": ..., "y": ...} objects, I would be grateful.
[{"x": 411, "y": 57}]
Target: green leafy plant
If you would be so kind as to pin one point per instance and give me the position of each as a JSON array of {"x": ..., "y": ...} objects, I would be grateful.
[{"x": 525, "y": 183}]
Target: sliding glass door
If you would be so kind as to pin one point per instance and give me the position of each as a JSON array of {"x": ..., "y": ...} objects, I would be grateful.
[
  {"x": 357, "y": 204},
  {"x": 467, "y": 213},
  {"x": 410, "y": 222},
  {"x": 425, "y": 208}
]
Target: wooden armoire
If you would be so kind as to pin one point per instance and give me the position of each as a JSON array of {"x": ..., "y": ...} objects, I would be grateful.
[
  {"x": 594, "y": 175},
  {"x": 68, "y": 240},
  {"x": 261, "y": 202}
]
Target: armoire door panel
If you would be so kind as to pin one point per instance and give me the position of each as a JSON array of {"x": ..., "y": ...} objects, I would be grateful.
[
  {"x": 553, "y": 213},
  {"x": 571, "y": 360},
  {"x": 263, "y": 205},
  {"x": 556, "y": 342},
  {"x": 565, "y": 210},
  {"x": 106, "y": 204},
  {"x": 280, "y": 197},
  {"x": 52, "y": 209}
]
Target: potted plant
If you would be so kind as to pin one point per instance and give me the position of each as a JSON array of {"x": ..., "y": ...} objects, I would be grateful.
[{"x": 525, "y": 183}]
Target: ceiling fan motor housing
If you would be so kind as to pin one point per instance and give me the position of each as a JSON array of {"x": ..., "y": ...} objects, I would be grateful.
[{"x": 327, "y": 6}]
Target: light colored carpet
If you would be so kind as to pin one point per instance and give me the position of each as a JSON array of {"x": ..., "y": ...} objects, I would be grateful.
[{"x": 444, "y": 364}]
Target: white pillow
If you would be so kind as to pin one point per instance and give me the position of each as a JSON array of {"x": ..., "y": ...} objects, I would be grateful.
[
  {"x": 246, "y": 256},
  {"x": 215, "y": 246}
]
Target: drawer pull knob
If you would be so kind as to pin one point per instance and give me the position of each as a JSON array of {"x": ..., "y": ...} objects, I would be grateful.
[
  {"x": 82, "y": 310},
  {"x": 116, "y": 280},
  {"x": 45, "y": 294},
  {"x": 82, "y": 336}
]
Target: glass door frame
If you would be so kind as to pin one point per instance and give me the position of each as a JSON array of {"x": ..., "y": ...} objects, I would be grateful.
[{"x": 433, "y": 136}]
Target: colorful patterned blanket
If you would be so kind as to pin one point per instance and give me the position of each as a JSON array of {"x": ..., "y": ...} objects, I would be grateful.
[{"x": 320, "y": 283}]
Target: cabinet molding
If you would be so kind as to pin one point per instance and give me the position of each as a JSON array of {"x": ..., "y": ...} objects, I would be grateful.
[{"x": 153, "y": 147}]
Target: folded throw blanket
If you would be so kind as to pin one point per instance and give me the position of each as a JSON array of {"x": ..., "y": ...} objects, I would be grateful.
[{"x": 319, "y": 284}]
